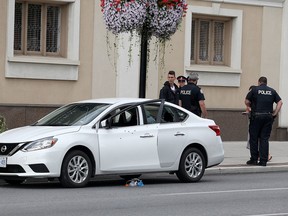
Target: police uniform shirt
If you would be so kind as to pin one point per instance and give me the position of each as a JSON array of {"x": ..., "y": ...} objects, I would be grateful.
[
  {"x": 262, "y": 98},
  {"x": 190, "y": 95}
]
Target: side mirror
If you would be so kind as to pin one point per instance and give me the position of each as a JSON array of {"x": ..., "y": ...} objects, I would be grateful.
[{"x": 106, "y": 123}]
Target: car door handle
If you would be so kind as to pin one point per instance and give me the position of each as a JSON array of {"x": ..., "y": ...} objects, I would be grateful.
[
  {"x": 179, "y": 134},
  {"x": 147, "y": 135}
]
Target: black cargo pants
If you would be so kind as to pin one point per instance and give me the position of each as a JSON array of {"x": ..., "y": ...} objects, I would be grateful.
[{"x": 260, "y": 129}]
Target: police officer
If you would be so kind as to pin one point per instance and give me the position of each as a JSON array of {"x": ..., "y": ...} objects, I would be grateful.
[
  {"x": 192, "y": 98},
  {"x": 169, "y": 90},
  {"x": 261, "y": 99},
  {"x": 181, "y": 81}
]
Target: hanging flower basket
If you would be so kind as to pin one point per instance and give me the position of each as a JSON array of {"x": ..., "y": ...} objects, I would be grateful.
[
  {"x": 160, "y": 17},
  {"x": 164, "y": 17},
  {"x": 124, "y": 15}
]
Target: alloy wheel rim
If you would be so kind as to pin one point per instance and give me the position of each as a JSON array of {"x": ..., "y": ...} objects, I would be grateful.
[
  {"x": 78, "y": 169},
  {"x": 193, "y": 165}
]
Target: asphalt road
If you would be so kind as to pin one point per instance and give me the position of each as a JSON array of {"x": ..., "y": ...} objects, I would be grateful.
[{"x": 162, "y": 194}]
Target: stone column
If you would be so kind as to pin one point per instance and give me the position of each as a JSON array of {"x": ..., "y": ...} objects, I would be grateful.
[
  {"x": 283, "y": 117},
  {"x": 128, "y": 65}
]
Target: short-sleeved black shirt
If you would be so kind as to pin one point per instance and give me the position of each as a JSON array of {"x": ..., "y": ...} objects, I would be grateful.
[
  {"x": 190, "y": 95},
  {"x": 262, "y": 99}
]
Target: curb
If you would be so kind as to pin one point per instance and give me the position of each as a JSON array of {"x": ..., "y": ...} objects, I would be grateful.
[{"x": 240, "y": 168}]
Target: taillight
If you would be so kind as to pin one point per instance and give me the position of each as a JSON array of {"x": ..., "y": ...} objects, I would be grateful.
[{"x": 216, "y": 129}]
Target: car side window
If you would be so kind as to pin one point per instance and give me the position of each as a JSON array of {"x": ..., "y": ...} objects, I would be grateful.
[
  {"x": 150, "y": 113},
  {"x": 181, "y": 115},
  {"x": 172, "y": 114},
  {"x": 126, "y": 118}
]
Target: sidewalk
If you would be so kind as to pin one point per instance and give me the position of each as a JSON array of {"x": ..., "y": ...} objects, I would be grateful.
[{"x": 236, "y": 156}]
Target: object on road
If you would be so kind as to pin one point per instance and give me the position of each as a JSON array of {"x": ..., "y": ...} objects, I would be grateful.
[{"x": 134, "y": 183}]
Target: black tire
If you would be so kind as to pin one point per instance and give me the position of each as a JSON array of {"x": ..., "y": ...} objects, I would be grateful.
[
  {"x": 76, "y": 169},
  {"x": 192, "y": 166},
  {"x": 129, "y": 177},
  {"x": 14, "y": 181}
]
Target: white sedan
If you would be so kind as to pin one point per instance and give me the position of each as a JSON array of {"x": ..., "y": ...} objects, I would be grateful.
[{"x": 122, "y": 136}]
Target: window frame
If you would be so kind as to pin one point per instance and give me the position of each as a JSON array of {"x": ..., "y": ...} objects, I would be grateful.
[
  {"x": 211, "y": 40},
  {"x": 216, "y": 75},
  {"x": 62, "y": 52},
  {"x": 65, "y": 67}
]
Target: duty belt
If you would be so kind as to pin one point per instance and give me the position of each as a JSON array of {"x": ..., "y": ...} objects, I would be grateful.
[{"x": 264, "y": 113}]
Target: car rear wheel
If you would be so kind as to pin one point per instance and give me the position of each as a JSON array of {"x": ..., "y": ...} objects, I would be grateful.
[
  {"x": 76, "y": 169},
  {"x": 192, "y": 166}
]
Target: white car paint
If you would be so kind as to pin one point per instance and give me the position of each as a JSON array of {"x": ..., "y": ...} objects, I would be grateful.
[{"x": 117, "y": 150}]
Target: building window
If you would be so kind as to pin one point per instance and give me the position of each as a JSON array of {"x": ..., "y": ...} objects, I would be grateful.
[
  {"x": 213, "y": 44},
  {"x": 38, "y": 29},
  {"x": 210, "y": 41},
  {"x": 43, "y": 36}
]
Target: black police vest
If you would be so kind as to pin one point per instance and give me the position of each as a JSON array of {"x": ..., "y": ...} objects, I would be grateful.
[{"x": 263, "y": 99}]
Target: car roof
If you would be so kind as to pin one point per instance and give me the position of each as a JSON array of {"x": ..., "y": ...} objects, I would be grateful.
[{"x": 119, "y": 100}]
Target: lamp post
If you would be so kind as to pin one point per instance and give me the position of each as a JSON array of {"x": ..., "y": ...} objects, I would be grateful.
[{"x": 143, "y": 62}]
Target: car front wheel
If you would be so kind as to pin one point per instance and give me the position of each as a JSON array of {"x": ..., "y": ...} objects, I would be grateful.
[
  {"x": 76, "y": 169},
  {"x": 192, "y": 166}
]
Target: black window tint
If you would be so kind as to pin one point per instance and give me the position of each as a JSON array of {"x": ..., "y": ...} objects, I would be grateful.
[{"x": 168, "y": 115}]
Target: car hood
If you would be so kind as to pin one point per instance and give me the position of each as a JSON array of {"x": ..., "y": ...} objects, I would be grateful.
[{"x": 29, "y": 133}]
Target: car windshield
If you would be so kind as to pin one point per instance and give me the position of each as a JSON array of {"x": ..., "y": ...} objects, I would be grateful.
[{"x": 73, "y": 114}]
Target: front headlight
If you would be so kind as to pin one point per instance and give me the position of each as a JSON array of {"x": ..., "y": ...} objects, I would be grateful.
[{"x": 40, "y": 144}]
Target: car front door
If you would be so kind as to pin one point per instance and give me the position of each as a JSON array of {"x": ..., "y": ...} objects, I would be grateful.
[{"x": 128, "y": 145}]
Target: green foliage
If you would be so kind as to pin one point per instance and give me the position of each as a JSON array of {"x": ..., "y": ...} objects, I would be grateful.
[{"x": 3, "y": 126}]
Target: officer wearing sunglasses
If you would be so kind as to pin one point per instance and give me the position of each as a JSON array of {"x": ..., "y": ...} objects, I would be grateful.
[{"x": 181, "y": 81}]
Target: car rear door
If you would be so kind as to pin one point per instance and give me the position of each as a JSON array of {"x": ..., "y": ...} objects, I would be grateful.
[{"x": 172, "y": 135}]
